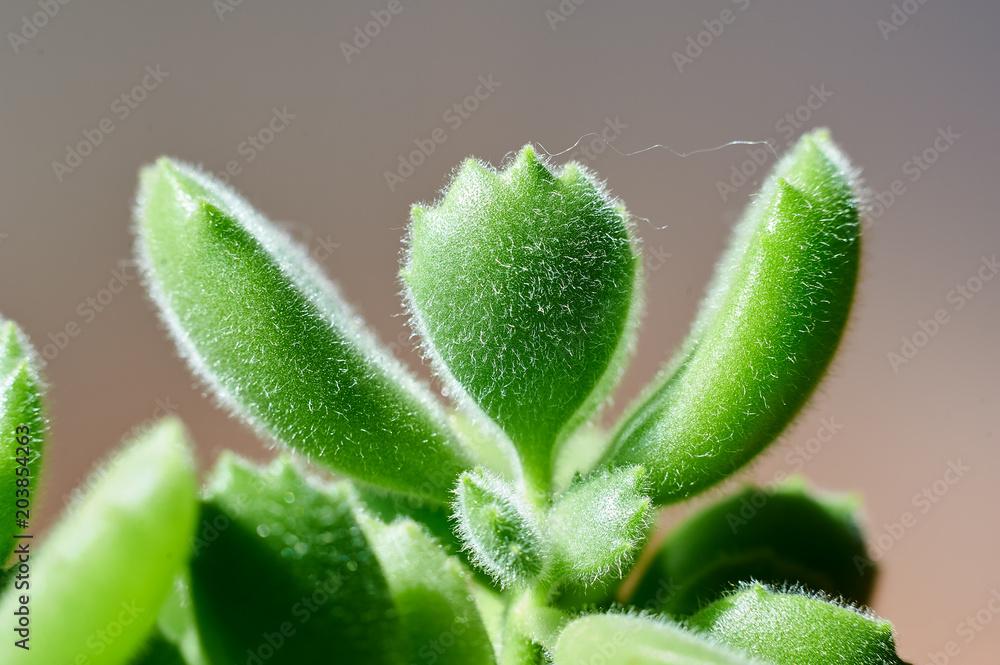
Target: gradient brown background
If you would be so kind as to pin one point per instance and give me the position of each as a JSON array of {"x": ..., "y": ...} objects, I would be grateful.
[{"x": 888, "y": 99}]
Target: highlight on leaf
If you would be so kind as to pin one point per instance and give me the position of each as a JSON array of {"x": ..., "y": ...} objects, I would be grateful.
[
  {"x": 255, "y": 318},
  {"x": 767, "y": 330}
]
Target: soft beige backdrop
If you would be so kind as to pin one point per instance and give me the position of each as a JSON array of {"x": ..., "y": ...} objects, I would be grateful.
[{"x": 886, "y": 93}]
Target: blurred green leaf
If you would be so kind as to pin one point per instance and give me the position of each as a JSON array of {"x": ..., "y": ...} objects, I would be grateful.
[
  {"x": 256, "y": 319},
  {"x": 524, "y": 287},
  {"x": 787, "y": 534},
  {"x": 598, "y": 526},
  {"x": 289, "y": 577},
  {"x": 159, "y": 651},
  {"x": 768, "y": 327},
  {"x": 433, "y": 594},
  {"x": 98, "y": 580}
]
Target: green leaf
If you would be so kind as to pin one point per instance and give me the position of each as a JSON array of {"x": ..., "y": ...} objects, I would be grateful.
[
  {"x": 598, "y": 526},
  {"x": 177, "y": 622},
  {"x": 390, "y": 506},
  {"x": 637, "y": 640},
  {"x": 432, "y": 592},
  {"x": 767, "y": 330},
  {"x": 524, "y": 287},
  {"x": 289, "y": 576},
  {"x": 159, "y": 651},
  {"x": 796, "y": 629},
  {"x": 98, "y": 580},
  {"x": 499, "y": 528},
  {"x": 23, "y": 428},
  {"x": 785, "y": 535},
  {"x": 256, "y": 319}
]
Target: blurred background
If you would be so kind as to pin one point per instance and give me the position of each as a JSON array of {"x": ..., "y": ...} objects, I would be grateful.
[{"x": 323, "y": 114}]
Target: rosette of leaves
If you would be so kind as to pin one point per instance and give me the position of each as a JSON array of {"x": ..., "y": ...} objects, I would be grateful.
[{"x": 502, "y": 529}]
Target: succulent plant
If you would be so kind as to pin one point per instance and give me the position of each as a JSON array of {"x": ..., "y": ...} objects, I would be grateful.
[{"x": 506, "y": 526}]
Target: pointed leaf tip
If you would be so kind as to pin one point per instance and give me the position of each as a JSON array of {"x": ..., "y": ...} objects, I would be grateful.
[
  {"x": 257, "y": 320},
  {"x": 767, "y": 330}
]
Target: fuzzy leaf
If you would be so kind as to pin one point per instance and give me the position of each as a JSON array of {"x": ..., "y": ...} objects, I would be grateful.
[
  {"x": 638, "y": 640},
  {"x": 786, "y": 535},
  {"x": 796, "y": 629},
  {"x": 23, "y": 428},
  {"x": 523, "y": 286},
  {"x": 289, "y": 573},
  {"x": 256, "y": 319},
  {"x": 767, "y": 330},
  {"x": 498, "y": 528},
  {"x": 99, "y": 578},
  {"x": 599, "y": 525},
  {"x": 432, "y": 593}
]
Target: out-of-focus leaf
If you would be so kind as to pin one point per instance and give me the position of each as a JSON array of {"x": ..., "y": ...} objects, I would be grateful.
[
  {"x": 290, "y": 577},
  {"x": 785, "y": 535},
  {"x": 23, "y": 430},
  {"x": 433, "y": 595},
  {"x": 638, "y": 640},
  {"x": 97, "y": 582}
]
